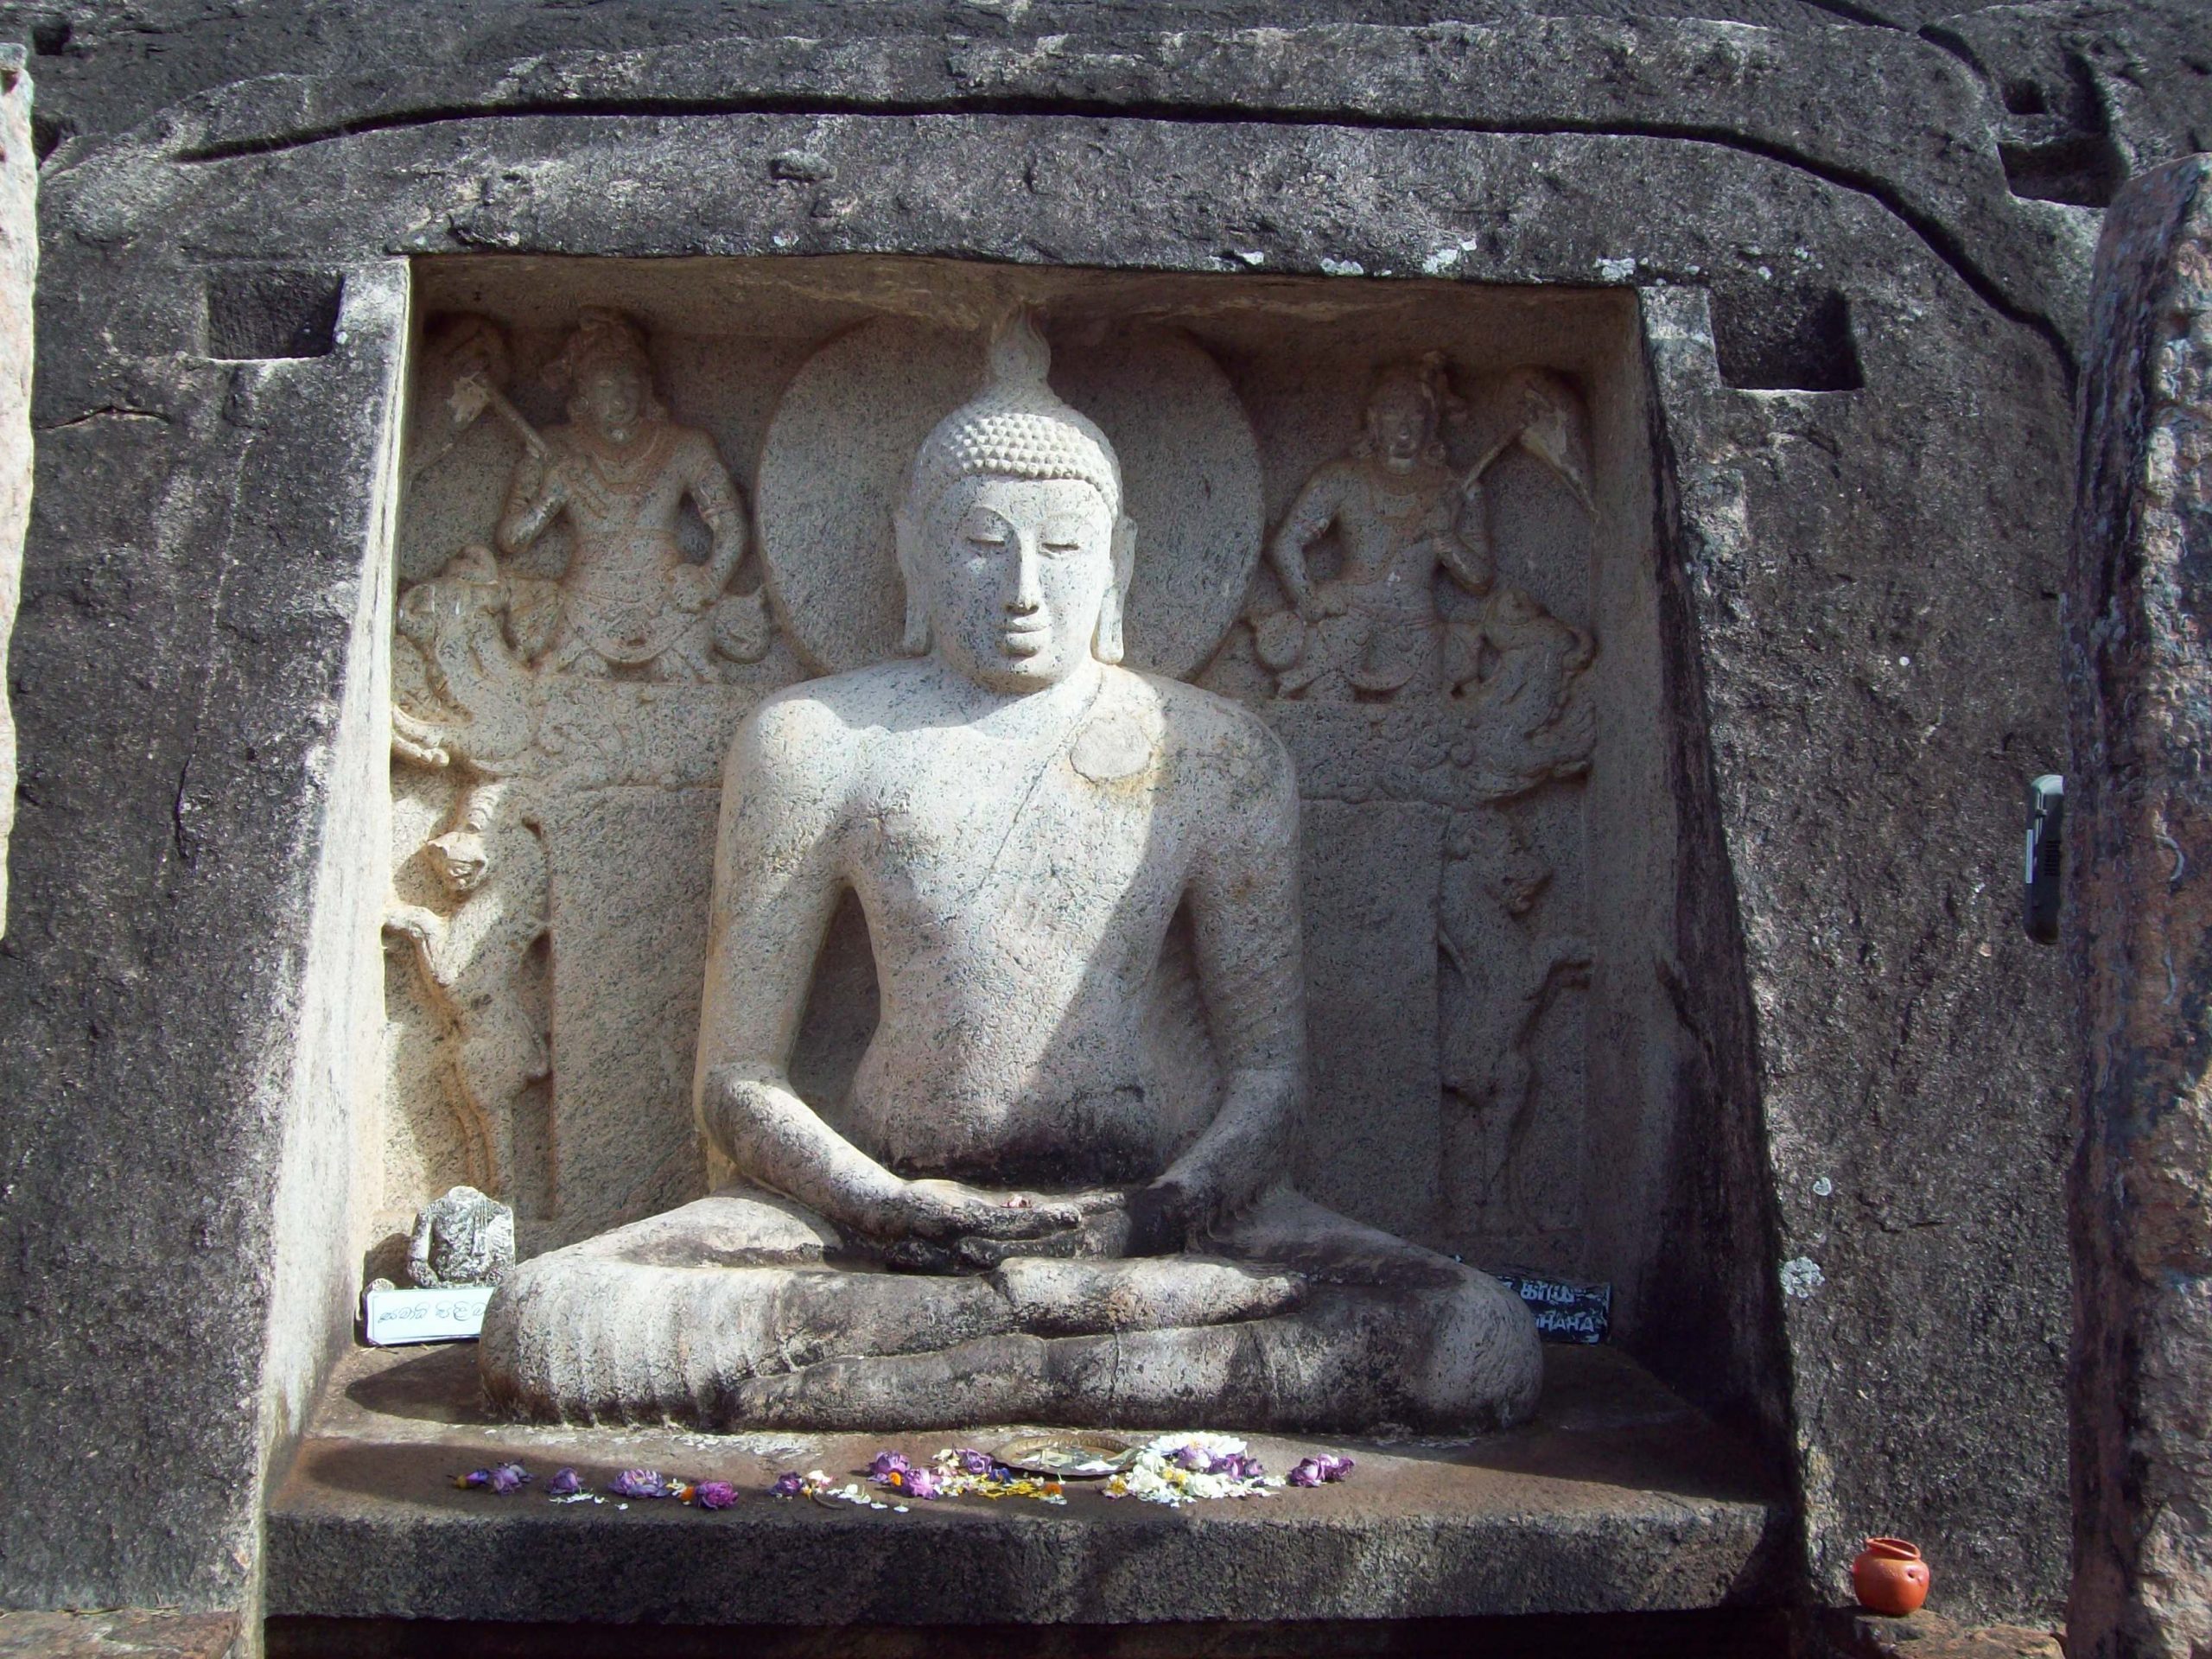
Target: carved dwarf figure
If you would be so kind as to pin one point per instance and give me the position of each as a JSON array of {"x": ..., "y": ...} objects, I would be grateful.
[
  {"x": 1021, "y": 820},
  {"x": 463, "y": 1238},
  {"x": 471, "y": 959},
  {"x": 620, "y": 471}
]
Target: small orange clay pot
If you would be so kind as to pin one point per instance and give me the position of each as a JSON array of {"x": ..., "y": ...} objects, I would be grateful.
[{"x": 1889, "y": 1577}]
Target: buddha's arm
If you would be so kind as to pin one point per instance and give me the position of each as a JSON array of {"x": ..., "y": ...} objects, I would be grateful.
[
  {"x": 1243, "y": 898},
  {"x": 776, "y": 884}
]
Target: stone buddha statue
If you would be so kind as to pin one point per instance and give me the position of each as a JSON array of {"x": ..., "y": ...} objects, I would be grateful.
[{"x": 1033, "y": 1207}]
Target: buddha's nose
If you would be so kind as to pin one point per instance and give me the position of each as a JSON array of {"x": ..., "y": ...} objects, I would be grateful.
[{"x": 1028, "y": 593}]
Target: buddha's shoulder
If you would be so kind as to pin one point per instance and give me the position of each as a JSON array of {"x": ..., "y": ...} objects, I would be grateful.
[
  {"x": 836, "y": 711},
  {"x": 1215, "y": 732}
]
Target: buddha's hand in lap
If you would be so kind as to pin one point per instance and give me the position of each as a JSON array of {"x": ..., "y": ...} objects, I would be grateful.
[
  {"x": 1111, "y": 1223},
  {"x": 943, "y": 1212}
]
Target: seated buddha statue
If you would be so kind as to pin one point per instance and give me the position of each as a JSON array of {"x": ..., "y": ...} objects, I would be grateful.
[{"x": 1025, "y": 1210}]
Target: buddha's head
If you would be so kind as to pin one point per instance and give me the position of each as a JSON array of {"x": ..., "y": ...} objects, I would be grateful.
[
  {"x": 1404, "y": 415},
  {"x": 1011, "y": 538},
  {"x": 609, "y": 377}
]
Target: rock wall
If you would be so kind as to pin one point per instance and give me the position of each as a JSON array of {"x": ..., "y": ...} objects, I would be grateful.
[
  {"x": 18, "y": 270},
  {"x": 2139, "y": 837}
]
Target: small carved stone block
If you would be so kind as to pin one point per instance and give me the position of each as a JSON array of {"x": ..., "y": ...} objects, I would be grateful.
[{"x": 463, "y": 1238}]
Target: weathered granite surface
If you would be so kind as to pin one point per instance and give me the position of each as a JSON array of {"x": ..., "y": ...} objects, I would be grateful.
[
  {"x": 18, "y": 270},
  {"x": 1929, "y": 1634},
  {"x": 1615, "y": 1496},
  {"x": 1860, "y": 610},
  {"x": 2139, "y": 671},
  {"x": 118, "y": 1633}
]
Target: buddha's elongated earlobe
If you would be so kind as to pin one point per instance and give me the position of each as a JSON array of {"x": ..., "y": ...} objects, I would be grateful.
[
  {"x": 907, "y": 537},
  {"x": 1106, "y": 641}
]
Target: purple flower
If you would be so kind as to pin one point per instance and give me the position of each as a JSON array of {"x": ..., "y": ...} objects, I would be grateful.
[
  {"x": 713, "y": 1494},
  {"x": 474, "y": 1478},
  {"x": 788, "y": 1485},
  {"x": 1315, "y": 1472},
  {"x": 505, "y": 1477},
  {"x": 640, "y": 1483},
  {"x": 921, "y": 1483},
  {"x": 1196, "y": 1459},
  {"x": 884, "y": 1464},
  {"x": 1239, "y": 1465},
  {"x": 972, "y": 1462},
  {"x": 565, "y": 1484}
]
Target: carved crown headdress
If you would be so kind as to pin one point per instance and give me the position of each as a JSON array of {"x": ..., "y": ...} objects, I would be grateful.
[
  {"x": 602, "y": 336},
  {"x": 1015, "y": 427}
]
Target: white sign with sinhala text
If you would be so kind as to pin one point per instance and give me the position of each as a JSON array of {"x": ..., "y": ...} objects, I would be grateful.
[{"x": 392, "y": 1317}]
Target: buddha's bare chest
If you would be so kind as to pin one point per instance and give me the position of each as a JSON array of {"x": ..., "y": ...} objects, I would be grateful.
[{"x": 985, "y": 852}]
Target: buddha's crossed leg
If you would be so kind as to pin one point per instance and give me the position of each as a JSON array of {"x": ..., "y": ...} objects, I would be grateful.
[{"x": 737, "y": 1312}]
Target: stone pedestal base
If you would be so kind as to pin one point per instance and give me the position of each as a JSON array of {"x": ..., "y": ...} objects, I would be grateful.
[{"x": 1615, "y": 1497}]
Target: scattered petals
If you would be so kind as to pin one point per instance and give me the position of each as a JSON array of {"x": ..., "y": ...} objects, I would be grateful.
[
  {"x": 500, "y": 1478},
  {"x": 506, "y": 1478},
  {"x": 1316, "y": 1471},
  {"x": 921, "y": 1483},
  {"x": 1178, "y": 1469},
  {"x": 713, "y": 1494}
]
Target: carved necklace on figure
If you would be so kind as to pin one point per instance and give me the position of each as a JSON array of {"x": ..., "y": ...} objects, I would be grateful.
[
  {"x": 621, "y": 471},
  {"x": 1401, "y": 497}
]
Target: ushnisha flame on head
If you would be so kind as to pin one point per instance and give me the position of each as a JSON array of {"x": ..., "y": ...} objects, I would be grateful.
[{"x": 1015, "y": 427}]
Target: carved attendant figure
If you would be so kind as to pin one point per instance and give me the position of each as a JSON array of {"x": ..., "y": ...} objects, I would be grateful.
[
  {"x": 1400, "y": 513},
  {"x": 620, "y": 471},
  {"x": 1021, "y": 819}
]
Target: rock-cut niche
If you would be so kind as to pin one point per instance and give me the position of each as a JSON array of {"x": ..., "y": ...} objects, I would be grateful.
[{"x": 1407, "y": 524}]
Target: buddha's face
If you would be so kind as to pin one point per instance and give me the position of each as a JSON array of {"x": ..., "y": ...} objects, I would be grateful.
[
  {"x": 611, "y": 398},
  {"x": 1021, "y": 569}
]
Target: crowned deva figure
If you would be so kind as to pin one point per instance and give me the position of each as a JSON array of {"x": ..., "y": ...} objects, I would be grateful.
[{"x": 1026, "y": 1211}]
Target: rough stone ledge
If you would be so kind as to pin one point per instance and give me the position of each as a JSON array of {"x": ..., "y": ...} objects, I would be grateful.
[
  {"x": 1618, "y": 1498},
  {"x": 118, "y": 1633}
]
